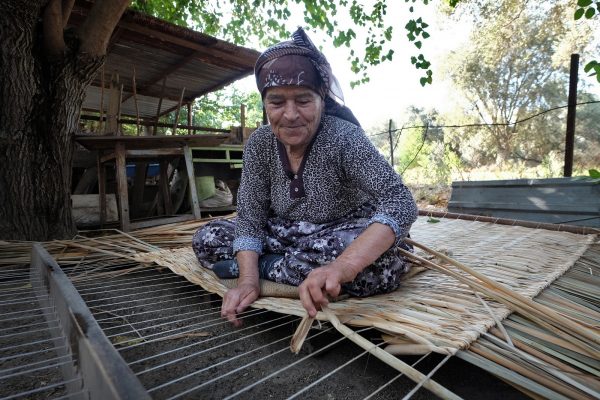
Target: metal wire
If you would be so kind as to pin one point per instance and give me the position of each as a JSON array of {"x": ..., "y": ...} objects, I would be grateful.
[
  {"x": 427, "y": 377},
  {"x": 147, "y": 304},
  {"x": 332, "y": 372},
  {"x": 203, "y": 351},
  {"x": 179, "y": 379},
  {"x": 41, "y": 389},
  {"x": 222, "y": 322},
  {"x": 193, "y": 389},
  {"x": 16, "y": 334},
  {"x": 394, "y": 379},
  {"x": 42, "y": 368},
  {"x": 31, "y": 353},
  {"x": 187, "y": 285}
]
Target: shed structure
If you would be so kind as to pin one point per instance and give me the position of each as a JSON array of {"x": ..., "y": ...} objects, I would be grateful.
[{"x": 165, "y": 59}]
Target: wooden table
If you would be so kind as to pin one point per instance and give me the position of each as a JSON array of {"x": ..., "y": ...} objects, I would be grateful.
[{"x": 118, "y": 149}]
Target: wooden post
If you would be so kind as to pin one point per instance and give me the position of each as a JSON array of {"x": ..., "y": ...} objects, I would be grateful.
[
  {"x": 121, "y": 173},
  {"x": 137, "y": 110},
  {"x": 189, "y": 119},
  {"x": 111, "y": 127},
  {"x": 139, "y": 186},
  {"x": 101, "y": 189},
  {"x": 242, "y": 123},
  {"x": 176, "y": 122},
  {"x": 163, "y": 183},
  {"x": 100, "y": 120},
  {"x": 391, "y": 143},
  {"x": 119, "y": 111},
  {"x": 570, "y": 139},
  {"x": 189, "y": 164},
  {"x": 162, "y": 94}
]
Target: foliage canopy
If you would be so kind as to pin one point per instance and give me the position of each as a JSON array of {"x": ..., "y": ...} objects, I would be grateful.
[{"x": 241, "y": 21}]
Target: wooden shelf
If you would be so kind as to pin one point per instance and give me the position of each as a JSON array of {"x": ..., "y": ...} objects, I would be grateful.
[{"x": 223, "y": 154}]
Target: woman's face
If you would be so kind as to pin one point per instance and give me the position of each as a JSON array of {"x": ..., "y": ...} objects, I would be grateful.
[{"x": 294, "y": 113}]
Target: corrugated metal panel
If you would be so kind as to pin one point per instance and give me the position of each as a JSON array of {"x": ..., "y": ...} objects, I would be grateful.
[{"x": 558, "y": 200}]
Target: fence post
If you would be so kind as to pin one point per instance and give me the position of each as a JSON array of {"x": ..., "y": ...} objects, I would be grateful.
[{"x": 570, "y": 139}]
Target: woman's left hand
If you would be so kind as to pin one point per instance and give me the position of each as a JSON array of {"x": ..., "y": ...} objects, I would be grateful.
[{"x": 321, "y": 284}]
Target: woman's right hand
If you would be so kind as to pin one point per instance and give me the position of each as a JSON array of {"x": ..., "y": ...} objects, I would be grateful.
[{"x": 237, "y": 300}]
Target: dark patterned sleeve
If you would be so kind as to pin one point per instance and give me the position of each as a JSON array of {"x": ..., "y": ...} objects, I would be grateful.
[
  {"x": 367, "y": 170},
  {"x": 253, "y": 199}
]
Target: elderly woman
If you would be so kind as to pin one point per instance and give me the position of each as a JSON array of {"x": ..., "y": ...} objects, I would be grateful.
[{"x": 318, "y": 206}]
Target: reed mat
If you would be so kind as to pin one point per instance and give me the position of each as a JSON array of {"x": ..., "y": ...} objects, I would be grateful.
[{"x": 433, "y": 311}]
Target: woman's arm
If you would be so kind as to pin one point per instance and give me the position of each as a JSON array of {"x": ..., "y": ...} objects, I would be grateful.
[
  {"x": 237, "y": 300},
  {"x": 364, "y": 168},
  {"x": 327, "y": 280},
  {"x": 252, "y": 206}
]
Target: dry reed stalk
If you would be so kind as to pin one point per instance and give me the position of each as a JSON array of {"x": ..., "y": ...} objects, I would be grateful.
[
  {"x": 520, "y": 356},
  {"x": 387, "y": 358},
  {"x": 561, "y": 366},
  {"x": 516, "y": 301},
  {"x": 411, "y": 349},
  {"x": 95, "y": 249},
  {"x": 301, "y": 333},
  {"x": 543, "y": 336},
  {"x": 534, "y": 375}
]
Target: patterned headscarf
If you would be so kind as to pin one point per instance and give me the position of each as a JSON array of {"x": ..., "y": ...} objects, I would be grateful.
[{"x": 298, "y": 62}]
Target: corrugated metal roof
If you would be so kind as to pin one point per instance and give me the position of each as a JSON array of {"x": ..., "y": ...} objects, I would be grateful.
[{"x": 156, "y": 49}]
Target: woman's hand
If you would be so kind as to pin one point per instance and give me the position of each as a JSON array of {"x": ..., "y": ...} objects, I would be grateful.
[
  {"x": 322, "y": 283},
  {"x": 327, "y": 280},
  {"x": 237, "y": 300}
]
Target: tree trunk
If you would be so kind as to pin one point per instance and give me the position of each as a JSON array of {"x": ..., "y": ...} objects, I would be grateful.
[{"x": 39, "y": 113}]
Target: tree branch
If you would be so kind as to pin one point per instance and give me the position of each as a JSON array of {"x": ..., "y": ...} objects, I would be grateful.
[
  {"x": 99, "y": 25},
  {"x": 67, "y": 7},
  {"x": 54, "y": 42}
]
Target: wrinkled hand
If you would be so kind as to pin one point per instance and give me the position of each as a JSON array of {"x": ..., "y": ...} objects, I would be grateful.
[
  {"x": 322, "y": 283},
  {"x": 237, "y": 300}
]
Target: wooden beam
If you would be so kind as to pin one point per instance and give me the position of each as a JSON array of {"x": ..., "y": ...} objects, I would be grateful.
[
  {"x": 163, "y": 75},
  {"x": 160, "y": 100},
  {"x": 161, "y": 221},
  {"x": 123, "y": 195},
  {"x": 112, "y": 125},
  {"x": 163, "y": 183},
  {"x": 151, "y": 123},
  {"x": 207, "y": 90},
  {"x": 204, "y": 52},
  {"x": 102, "y": 190},
  {"x": 189, "y": 164},
  {"x": 176, "y": 119}
]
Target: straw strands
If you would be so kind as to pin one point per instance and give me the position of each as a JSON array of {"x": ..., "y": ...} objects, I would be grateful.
[{"x": 432, "y": 309}]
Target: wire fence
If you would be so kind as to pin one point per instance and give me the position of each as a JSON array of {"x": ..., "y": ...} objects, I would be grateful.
[{"x": 439, "y": 147}]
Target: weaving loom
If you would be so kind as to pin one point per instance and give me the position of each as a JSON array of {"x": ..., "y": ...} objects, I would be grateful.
[
  {"x": 434, "y": 312},
  {"x": 168, "y": 330}
]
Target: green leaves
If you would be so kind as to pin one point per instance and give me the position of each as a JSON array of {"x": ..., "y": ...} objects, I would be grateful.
[
  {"x": 593, "y": 66},
  {"x": 416, "y": 28},
  {"x": 594, "y": 173},
  {"x": 241, "y": 21},
  {"x": 586, "y": 8}
]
